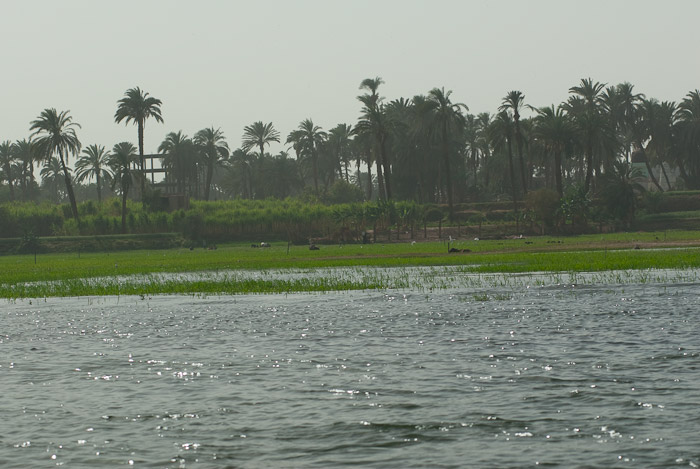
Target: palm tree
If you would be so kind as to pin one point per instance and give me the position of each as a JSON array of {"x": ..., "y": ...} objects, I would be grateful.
[
  {"x": 363, "y": 152},
  {"x": 307, "y": 138},
  {"x": 514, "y": 101},
  {"x": 94, "y": 163},
  {"x": 372, "y": 85},
  {"x": 339, "y": 140},
  {"x": 448, "y": 121},
  {"x": 555, "y": 130},
  {"x": 500, "y": 133},
  {"x": 25, "y": 153},
  {"x": 121, "y": 160},
  {"x": 55, "y": 133},
  {"x": 689, "y": 137},
  {"x": 179, "y": 159},
  {"x": 663, "y": 136},
  {"x": 137, "y": 106},
  {"x": 585, "y": 106},
  {"x": 374, "y": 120},
  {"x": 50, "y": 174},
  {"x": 7, "y": 160},
  {"x": 641, "y": 131},
  {"x": 621, "y": 104},
  {"x": 258, "y": 135},
  {"x": 214, "y": 148},
  {"x": 239, "y": 179},
  {"x": 483, "y": 121},
  {"x": 620, "y": 191}
]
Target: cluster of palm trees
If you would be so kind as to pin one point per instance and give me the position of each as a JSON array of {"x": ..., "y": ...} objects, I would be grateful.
[
  {"x": 54, "y": 140},
  {"x": 426, "y": 148}
]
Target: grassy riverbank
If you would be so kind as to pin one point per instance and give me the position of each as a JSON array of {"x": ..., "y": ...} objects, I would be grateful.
[{"x": 75, "y": 274}]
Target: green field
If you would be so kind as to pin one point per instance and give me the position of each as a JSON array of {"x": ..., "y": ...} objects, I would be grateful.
[{"x": 81, "y": 274}]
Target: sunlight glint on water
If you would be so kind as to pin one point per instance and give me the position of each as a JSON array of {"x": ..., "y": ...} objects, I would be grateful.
[{"x": 599, "y": 375}]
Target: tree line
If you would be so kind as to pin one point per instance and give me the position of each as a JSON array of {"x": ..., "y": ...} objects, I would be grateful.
[{"x": 426, "y": 148}]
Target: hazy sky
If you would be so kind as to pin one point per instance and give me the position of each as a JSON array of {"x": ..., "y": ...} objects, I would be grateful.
[{"x": 229, "y": 63}]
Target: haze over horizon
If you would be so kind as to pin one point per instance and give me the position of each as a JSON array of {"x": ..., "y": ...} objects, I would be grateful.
[{"x": 228, "y": 64}]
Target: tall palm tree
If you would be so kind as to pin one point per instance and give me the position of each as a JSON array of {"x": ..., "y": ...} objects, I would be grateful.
[
  {"x": 689, "y": 137},
  {"x": 94, "y": 163},
  {"x": 257, "y": 135},
  {"x": 585, "y": 106},
  {"x": 374, "y": 120},
  {"x": 308, "y": 137},
  {"x": 55, "y": 134},
  {"x": 500, "y": 133},
  {"x": 25, "y": 153},
  {"x": 555, "y": 130},
  {"x": 483, "y": 121},
  {"x": 7, "y": 161},
  {"x": 621, "y": 104},
  {"x": 136, "y": 106},
  {"x": 514, "y": 101},
  {"x": 448, "y": 121},
  {"x": 214, "y": 149},
  {"x": 121, "y": 160}
]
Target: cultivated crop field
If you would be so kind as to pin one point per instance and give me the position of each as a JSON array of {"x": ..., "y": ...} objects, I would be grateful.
[{"x": 76, "y": 274}]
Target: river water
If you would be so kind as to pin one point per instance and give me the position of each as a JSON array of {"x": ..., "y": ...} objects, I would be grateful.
[{"x": 558, "y": 375}]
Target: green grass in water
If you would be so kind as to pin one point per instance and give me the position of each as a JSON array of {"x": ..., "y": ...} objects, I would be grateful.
[{"x": 74, "y": 275}]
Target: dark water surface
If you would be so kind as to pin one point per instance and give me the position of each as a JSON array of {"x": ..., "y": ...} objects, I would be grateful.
[{"x": 586, "y": 376}]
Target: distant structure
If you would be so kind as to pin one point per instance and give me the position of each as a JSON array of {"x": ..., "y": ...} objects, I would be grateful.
[
  {"x": 170, "y": 199},
  {"x": 639, "y": 165}
]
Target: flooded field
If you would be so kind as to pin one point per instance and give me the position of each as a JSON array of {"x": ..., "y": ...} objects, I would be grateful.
[{"x": 509, "y": 371}]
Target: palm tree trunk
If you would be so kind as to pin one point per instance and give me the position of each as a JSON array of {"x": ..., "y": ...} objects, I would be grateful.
[
  {"x": 380, "y": 181},
  {"x": 124, "y": 193},
  {"x": 649, "y": 170},
  {"x": 314, "y": 164},
  {"x": 663, "y": 171},
  {"x": 141, "y": 161},
  {"x": 69, "y": 189},
  {"x": 99, "y": 188},
  {"x": 519, "y": 143},
  {"x": 512, "y": 179},
  {"x": 8, "y": 174},
  {"x": 369, "y": 179},
  {"x": 589, "y": 166},
  {"x": 557, "y": 172},
  {"x": 387, "y": 167},
  {"x": 448, "y": 173},
  {"x": 651, "y": 175},
  {"x": 684, "y": 173},
  {"x": 207, "y": 184}
]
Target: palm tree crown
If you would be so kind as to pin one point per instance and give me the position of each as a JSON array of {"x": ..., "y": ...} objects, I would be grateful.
[
  {"x": 257, "y": 135},
  {"x": 214, "y": 150},
  {"x": 7, "y": 161},
  {"x": 55, "y": 132},
  {"x": 136, "y": 106},
  {"x": 94, "y": 163},
  {"x": 306, "y": 139}
]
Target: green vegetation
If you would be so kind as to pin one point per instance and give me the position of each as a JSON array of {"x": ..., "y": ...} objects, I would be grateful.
[
  {"x": 605, "y": 143},
  {"x": 607, "y": 159},
  {"x": 239, "y": 268}
]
